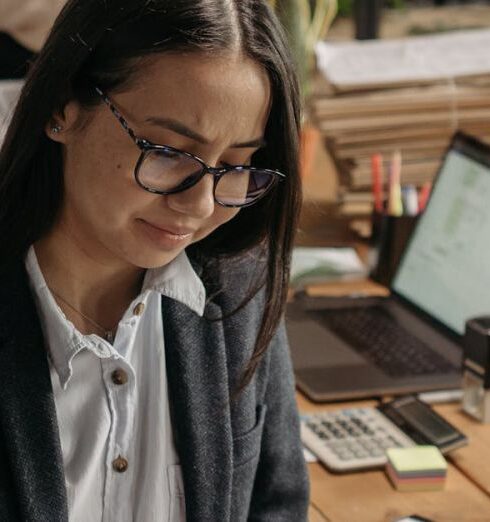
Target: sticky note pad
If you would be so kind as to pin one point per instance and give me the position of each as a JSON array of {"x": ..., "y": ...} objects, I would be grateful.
[
  {"x": 421, "y": 468},
  {"x": 416, "y": 459}
]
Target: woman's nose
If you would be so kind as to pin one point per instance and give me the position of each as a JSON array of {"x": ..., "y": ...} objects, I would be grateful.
[{"x": 197, "y": 201}]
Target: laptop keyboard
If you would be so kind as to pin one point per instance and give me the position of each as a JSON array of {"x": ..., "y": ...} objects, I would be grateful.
[{"x": 374, "y": 334}]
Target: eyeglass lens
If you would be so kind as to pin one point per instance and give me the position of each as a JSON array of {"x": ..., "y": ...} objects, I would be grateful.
[{"x": 164, "y": 170}]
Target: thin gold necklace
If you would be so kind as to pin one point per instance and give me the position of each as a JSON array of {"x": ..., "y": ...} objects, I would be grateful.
[{"x": 108, "y": 334}]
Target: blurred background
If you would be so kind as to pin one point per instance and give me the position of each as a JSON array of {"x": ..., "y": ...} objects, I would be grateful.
[{"x": 386, "y": 76}]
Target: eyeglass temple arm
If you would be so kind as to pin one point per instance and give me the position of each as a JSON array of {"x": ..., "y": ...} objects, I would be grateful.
[{"x": 139, "y": 142}]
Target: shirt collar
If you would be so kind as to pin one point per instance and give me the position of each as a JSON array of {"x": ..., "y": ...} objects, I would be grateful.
[{"x": 177, "y": 280}]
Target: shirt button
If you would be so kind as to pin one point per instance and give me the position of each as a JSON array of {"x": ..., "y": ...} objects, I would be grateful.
[
  {"x": 119, "y": 376},
  {"x": 120, "y": 464},
  {"x": 139, "y": 309}
]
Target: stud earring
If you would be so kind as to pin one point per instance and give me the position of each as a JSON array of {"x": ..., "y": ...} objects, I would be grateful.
[{"x": 56, "y": 129}]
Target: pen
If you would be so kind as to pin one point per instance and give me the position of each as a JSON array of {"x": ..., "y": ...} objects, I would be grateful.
[
  {"x": 395, "y": 207},
  {"x": 424, "y": 195},
  {"x": 410, "y": 200},
  {"x": 377, "y": 175}
]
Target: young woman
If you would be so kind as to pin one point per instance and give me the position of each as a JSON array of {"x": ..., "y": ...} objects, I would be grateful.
[{"x": 148, "y": 196}]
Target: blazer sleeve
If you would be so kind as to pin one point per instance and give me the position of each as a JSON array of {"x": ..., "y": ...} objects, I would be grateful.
[{"x": 281, "y": 488}]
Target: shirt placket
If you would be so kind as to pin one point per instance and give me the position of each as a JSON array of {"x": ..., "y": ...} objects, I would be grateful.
[
  {"x": 121, "y": 388},
  {"x": 120, "y": 384}
]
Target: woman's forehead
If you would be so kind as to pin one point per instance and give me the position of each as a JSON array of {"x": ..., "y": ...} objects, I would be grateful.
[
  {"x": 171, "y": 75},
  {"x": 207, "y": 93}
]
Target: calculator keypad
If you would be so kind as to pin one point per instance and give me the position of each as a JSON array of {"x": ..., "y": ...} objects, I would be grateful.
[{"x": 351, "y": 438}]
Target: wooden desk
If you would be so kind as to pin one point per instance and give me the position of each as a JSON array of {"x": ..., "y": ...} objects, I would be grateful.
[
  {"x": 369, "y": 496},
  {"x": 474, "y": 459}
]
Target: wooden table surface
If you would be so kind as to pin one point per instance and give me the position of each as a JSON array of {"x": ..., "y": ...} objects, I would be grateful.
[
  {"x": 369, "y": 496},
  {"x": 474, "y": 459}
]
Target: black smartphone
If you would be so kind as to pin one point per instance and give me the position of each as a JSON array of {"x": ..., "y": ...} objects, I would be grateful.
[{"x": 423, "y": 424}]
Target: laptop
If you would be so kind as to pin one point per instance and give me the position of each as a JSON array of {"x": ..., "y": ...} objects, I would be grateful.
[{"x": 411, "y": 341}]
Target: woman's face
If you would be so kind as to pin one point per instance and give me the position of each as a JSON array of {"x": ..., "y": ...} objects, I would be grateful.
[{"x": 200, "y": 104}]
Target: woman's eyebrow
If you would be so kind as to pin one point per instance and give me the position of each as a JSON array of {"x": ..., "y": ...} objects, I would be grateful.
[{"x": 183, "y": 130}]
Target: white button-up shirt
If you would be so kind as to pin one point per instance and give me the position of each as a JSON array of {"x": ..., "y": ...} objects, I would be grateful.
[{"x": 112, "y": 403}]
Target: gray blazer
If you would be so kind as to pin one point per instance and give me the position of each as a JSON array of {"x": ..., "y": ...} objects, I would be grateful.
[{"x": 241, "y": 459}]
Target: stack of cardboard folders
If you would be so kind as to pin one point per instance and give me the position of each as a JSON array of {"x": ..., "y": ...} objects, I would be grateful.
[{"x": 409, "y": 95}]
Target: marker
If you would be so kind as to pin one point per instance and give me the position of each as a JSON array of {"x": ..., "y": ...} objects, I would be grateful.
[
  {"x": 377, "y": 181},
  {"x": 410, "y": 200},
  {"x": 424, "y": 195},
  {"x": 395, "y": 206}
]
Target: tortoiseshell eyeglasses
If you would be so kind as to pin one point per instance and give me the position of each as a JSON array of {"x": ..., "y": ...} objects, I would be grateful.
[{"x": 162, "y": 169}]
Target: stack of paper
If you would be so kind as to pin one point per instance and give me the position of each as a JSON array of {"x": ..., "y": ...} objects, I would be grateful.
[
  {"x": 312, "y": 265},
  {"x": 420, "y": 59},
  {"x": 418, "y": 468},
  {"x": 410, "y": 95}
]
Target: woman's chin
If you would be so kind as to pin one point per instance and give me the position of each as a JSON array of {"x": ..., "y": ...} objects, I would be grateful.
[{"x": 150, "y": 260}]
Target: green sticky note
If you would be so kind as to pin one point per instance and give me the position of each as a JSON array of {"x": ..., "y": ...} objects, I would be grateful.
[{"x": 417, "y": 458}]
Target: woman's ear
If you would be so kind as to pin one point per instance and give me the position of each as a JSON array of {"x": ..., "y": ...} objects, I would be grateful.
[{"x": 61, "y": 126}]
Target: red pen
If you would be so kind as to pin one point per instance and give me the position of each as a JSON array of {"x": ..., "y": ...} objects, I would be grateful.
[
  {"x": 376, "y": 174},
  {"x": 424, "y": 195}
]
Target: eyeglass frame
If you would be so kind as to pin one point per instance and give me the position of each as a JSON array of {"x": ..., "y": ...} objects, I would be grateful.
[{"x": 217, "y": 172}]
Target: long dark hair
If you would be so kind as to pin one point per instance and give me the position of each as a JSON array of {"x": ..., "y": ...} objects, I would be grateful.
[{"x": 96, "y": 42}]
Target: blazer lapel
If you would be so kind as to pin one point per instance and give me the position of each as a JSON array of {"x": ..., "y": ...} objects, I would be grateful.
[
  {"x": 27, "y": 411},
  {"x": 199, "y": 398}
]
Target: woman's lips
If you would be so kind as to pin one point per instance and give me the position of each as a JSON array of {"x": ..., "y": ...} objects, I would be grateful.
[{"x": 164, "y": 237}]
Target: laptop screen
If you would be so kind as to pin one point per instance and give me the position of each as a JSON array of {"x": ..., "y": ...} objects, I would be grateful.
[{"x": 445, "y": 270}]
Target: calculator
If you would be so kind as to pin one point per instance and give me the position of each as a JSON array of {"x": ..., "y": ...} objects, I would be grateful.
[{"x": 353, "y": 439}]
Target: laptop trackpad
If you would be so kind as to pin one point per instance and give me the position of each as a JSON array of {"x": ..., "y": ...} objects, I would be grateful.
[{"x": 314, "y": 346}]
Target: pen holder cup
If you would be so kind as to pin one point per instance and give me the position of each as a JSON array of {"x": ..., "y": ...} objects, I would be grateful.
[{"x": 389, "y": 237}]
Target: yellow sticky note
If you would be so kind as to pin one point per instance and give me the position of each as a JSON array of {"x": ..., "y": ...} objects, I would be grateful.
[{"x": 417, "y": 458}]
